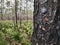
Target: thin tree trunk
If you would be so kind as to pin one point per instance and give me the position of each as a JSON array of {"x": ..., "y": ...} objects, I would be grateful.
[
  {"x": 16, "y": 11},
  {"x": 27, "y": 9},
  {"x": 20, "y": 12},
  {"x": 1, "y": 9}
]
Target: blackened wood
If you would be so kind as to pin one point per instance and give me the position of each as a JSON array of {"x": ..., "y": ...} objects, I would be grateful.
[{"x": 44, "y": 15}]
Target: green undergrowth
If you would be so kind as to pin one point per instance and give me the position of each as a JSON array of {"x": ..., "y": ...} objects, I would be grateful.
[{"x": 11, "y": 34}]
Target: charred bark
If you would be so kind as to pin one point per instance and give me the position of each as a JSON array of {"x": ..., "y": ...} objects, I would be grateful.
[{"x": 45, "y": 17}]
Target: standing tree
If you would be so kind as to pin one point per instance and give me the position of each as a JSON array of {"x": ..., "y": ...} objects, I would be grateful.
[
  {"x": 57, "y": 22},
  {"x": 20, "y": 12},
  {"x": 1, "y": 8},
  {"x": 16, "y": 4},
  {"x": 44, "y": 14},
  {"x": 27, "y": 9}
]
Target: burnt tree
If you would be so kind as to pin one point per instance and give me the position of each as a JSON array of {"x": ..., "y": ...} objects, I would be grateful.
[
  {"x": 45, "y": 22},
  {"x": 57, "y": 22}
]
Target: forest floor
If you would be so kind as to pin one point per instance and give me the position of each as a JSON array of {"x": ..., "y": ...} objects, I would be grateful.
[{"x": 11, "y": 34}]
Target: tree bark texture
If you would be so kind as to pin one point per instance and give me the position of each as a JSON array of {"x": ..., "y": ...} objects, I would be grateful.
[{"x": 46, "y": 22}]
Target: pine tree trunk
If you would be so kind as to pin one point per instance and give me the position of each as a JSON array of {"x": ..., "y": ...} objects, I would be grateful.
[{"x": 44, "y": 14}]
